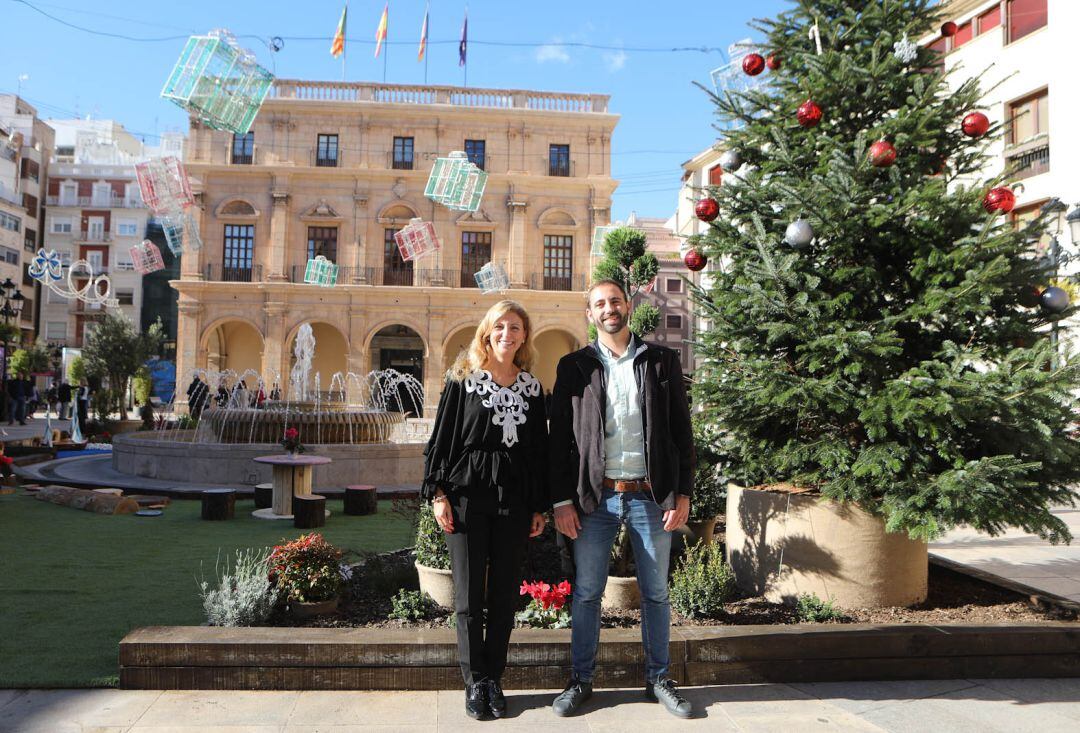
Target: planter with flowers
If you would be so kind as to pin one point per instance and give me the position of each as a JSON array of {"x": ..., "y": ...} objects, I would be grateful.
[
  {"x": 307, "y": 572},
  {"x": 547, "y": 609},
  {"x": 433, "y": 559},
  {"x": 290, "y": 441}
]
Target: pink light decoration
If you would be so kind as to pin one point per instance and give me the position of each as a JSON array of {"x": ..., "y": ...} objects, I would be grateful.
[{"x": 146, "y": 257}]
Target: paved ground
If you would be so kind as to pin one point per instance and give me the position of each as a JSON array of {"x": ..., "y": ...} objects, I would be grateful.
[
  {"x": 982, "y": 706},
  {"x": 1020, "y": 557}
]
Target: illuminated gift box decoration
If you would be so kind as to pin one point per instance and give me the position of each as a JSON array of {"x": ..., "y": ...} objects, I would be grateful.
[
  {"x": 176, "y": 224},
  {"x": 599, "y": 234},
  {"x": 492, "y": 278},
  {"x": 321, "y": 271},
  {"x": 218, "y": 82},
  {"x": 146, "y": 257},
  {"x": 456, "y": 183},
  {"x": 417, "y": 240},
  {"x": 164, "y": 185}
]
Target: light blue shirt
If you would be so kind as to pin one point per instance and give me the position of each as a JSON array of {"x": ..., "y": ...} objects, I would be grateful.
[{"x": 624, "y": 434}]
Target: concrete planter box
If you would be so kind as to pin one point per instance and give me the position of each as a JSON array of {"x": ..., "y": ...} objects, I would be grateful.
[
  {"x": 781, "y": 545},
  {"x": 439, "y": 584}
]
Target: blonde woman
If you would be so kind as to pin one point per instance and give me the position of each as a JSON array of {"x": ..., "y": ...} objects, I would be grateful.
[{"x": 485, "y": 474}]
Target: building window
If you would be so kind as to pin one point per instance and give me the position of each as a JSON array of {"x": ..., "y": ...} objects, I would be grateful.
[
  {"x": 56, "y": 330},
  {"x": 69, "y": 194},
  {"x": 243, "y": 148},
  {"x": 674, "y": 320},
  {"x": 7, "y": 221},
  {"x": 1025, "y": 17},
  {"x": 963, "y": 35},
  {"x": 989, "y": 20},
  {"x": 1022, "y": 216},
  {"x": 1028, "y": 118},
  {"x": 403, "y": 154},
  {"x": 102, "y": 195},
  {"x": 127, "y": 227},
  {"x": 326, "y": 155},
  {"x": 30, "y": 169},
  {"x": 673, "y": 285},
  {"x": 60, "y": 225},
  {"x": 475, "y": 253},
  {"x": 322, "y": 241},
  {"x": 27, "y": 280},
  {"x": 558, "y": 262},
  {"x": 28, "y": 308},
  {"x": 716, "y": 173},
  {"x": 396, "y": 271},
  {"x": 30, "y": 240},
  {"x": 239, "y": 246},
  {"x": 475, "y": 150},
  {"x": 30, "y": 203},
  {"x": 125, "y": 297},
  {"x": 9, "y": 255},
  {"x": 558, "y": 160}
]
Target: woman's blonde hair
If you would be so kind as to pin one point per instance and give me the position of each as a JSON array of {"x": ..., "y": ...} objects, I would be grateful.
[{"x": 476, "y": 356}]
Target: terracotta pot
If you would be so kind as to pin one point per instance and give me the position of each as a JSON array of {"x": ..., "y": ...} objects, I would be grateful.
[
  {"x": 702, "y": 529},
  {"x": 782, "y": 545},
  {"x": 311, "y": 609},
  {"x": 621, "y": 594},
  {"x": 439, "y": 584}
]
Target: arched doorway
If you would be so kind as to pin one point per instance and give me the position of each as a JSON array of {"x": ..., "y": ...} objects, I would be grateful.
[
  {"x": 400, "y": 348},
  {"x": 331, "y": 356},
  {"x": 234, "y": 345},
  {"x": 457, "y": 343},
  {"x": 551, "y": 345}
]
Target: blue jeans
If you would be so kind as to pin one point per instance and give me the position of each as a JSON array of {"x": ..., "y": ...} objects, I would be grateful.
[{"x": 652, "y": 552}]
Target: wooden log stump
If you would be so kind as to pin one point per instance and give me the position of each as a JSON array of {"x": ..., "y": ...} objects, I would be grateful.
[
  {"x": 218, "y": 504},
  {"x": 360, "y": 499},
  {"x": 91, "y": 501},
  {"x": 309, "y": 511},
  {"x": 264, "y": 496}
]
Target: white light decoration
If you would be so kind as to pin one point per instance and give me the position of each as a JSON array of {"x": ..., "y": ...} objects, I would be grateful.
[
  {"x": 599, "y": 234},
  {"x": 164, "y": 185},
  {"x": 47, "y": 269},
  {"x": 146, "y": 257},
  {"x": 321, "y": 271},
  {"x": 492, "y": 278},
  {"x": 417, "y": 240},
  {"x": 176, "y": 224}
]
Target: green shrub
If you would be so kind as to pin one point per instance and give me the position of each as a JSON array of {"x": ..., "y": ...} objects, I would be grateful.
[
  {"x": 811, "y": 609},
  {"x": 411, "y": 605},
  {"x": 244, "y": 595},
  {"x": 431, "y": 547},
  {"x": 702, "y": 582}
]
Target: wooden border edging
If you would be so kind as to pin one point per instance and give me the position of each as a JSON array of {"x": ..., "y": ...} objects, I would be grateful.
[{"x": 204, "y": 657}]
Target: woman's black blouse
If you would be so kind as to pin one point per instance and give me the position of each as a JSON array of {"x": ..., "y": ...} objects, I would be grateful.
[{"x": 489, "y": 443}]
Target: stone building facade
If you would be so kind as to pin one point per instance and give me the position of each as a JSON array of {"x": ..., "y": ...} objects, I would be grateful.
[{"x": 335, "y": 169}]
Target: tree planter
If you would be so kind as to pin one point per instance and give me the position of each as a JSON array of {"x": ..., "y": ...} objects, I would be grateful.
[
  {"x": 782, "y": 545},
  {"x": 702, "y": 529},
  {"x": 310, "y": 609},
  {"x": 621, "y": 594},
  {"x": 439, "y": 584}
]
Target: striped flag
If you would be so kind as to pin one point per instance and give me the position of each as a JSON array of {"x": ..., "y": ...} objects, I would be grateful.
[
  {"x": 463, "y": 46},
  {"x": 337, "y": 47},
  {"x": 423, "y": 37},
  {"x": 380, "y": 32}
]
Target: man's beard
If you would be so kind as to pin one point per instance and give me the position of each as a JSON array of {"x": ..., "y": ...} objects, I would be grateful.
[{"x": 613, "y": 324}]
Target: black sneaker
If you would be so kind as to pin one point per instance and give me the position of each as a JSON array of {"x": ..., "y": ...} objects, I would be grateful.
[
  {"x": 476, "y": 700},
  {"x": 496, "y": 699},
  {"x": 572, "y": 698},
  {"x": 666, "y": 691}
]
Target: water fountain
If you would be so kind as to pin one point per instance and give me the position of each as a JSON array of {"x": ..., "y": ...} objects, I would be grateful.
[{"x": 369, "y": 424}]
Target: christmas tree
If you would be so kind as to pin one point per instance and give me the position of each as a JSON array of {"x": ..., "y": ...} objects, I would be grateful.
[{"x": 870, "y": 328}]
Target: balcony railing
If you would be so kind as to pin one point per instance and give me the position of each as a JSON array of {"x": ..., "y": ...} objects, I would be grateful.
[
  {"x": 113, "y": 202},
  {"x": 1029, "y": 162},
  {"x": 221, "y": 273},
  {"x": 84, "y": 235},
  {"x": 565, "y": 283}
]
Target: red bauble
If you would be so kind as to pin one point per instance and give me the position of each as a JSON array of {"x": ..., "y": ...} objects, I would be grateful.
[
  {"x": 695, "y": 260},
  {"x": 808, "y": 114},
  {"x": 753, "y": 64},
  {"x": 975, "y": 124},
  {"x": 948, "y": 29},
  {"x": 1000, "y": 200},
  {"x": 706, "y": 209},
  {"x": 882, "y": 154},
  {"x": 773, "y": 61}
]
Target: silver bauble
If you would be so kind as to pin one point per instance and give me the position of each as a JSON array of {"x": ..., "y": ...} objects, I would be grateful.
[
  {"x": 799, "y": 234},
  {"x": 731, "y": 161},
  {"x": 1054, "y": 299}
]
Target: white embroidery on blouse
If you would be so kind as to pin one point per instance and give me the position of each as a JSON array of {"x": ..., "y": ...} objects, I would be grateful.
[{"x": 509, "y": 403}]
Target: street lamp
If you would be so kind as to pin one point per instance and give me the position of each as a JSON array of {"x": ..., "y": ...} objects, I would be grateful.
[
  {"x": 1057, "y": 257},
  {"x": 11, "y": 308}
]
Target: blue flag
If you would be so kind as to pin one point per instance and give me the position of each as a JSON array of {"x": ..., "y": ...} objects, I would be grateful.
[{"x": 463, "y": 46}]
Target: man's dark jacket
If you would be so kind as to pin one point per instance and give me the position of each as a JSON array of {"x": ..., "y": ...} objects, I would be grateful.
[
  {"x": 64, "y": 393},
  {"x": 576, "y": 443}
]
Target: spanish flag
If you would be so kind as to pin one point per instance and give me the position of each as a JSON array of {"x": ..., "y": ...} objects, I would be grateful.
[
  {"x": 380, "y": 32},
  {"x": 337, "y": 47},
  {"x": 423, "y": 37}
]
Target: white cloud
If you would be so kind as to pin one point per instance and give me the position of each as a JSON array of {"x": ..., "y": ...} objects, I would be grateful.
[
  {"x": 553, "y": 51},
  {"x": 614, "y": 60}
]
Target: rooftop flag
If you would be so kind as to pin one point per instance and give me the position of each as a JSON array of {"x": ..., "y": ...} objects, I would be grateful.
[
  {"x": 463, "y": 46},
  {"x": 337, "y": 47},
  {"x": 423, "y": 38},
  {"x": 380, "y": 32}
]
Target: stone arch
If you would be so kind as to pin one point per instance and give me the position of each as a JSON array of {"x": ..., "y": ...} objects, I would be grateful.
[
  {"x": 237, "y": 207},
  {"x": 556, "y": 217},
  {"x": 397, "y": 345},
  {"x": 332, "y": 350},
  {"x": 232, "y": 342},
  {"x": 398, "y": 211},
  {"x": 460, "y": 336},
  {"x": 397, "y": 321},
  {"x": 551, "y": 344}
]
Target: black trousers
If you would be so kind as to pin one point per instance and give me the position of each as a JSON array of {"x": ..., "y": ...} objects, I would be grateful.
[{"x": 487, "y": 544}]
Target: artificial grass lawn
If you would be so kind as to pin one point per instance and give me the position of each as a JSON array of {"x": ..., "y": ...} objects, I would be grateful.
[{"x": 75, "y": 583}]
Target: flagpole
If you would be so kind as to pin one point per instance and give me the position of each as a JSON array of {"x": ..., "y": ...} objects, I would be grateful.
[
  {"x": 344, "y": 46},
  {"x": 386, "y": 43},
  {"x": 427, "y": 24}
]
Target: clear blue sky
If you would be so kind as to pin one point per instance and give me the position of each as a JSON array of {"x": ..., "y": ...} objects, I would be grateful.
[{"x": 664, "y": 118}]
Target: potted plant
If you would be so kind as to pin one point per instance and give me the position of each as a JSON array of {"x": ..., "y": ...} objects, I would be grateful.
[
  {"x": 710, "y": 481},
  {"x": 290, "y": 441},
  {"x": 307, "y": 571},
  {"x": 621, "y": 592},
  {"x": 433, "y": 558}
]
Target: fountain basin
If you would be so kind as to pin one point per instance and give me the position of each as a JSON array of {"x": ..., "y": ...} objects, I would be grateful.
[
  {"x": 175, "y": 456},
  {"x": 323, "y": 426}
]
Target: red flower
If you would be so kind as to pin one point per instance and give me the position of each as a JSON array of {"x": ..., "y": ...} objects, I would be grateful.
[{"x": 291, "y": 433}]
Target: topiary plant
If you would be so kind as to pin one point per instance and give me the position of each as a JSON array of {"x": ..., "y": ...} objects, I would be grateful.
[
  {"x": 702, "y": 582},
  {"x": 431, "y": 550}
]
